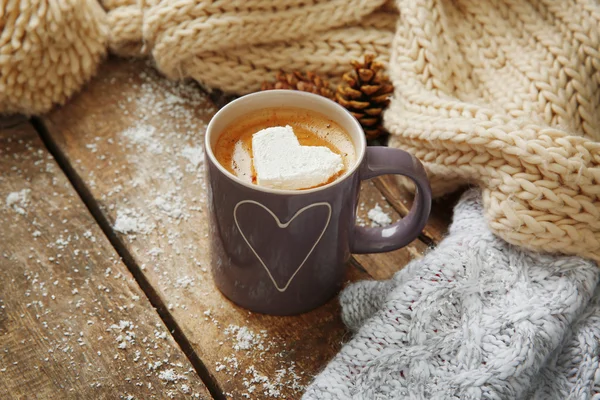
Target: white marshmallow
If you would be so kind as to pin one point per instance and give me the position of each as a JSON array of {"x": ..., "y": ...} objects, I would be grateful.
[{"x": 281, "y": 162}]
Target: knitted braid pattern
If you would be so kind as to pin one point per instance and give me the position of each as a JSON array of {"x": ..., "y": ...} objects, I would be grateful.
[
  {"x": 125, "y": 19},
  {"x": 48, "y": 49},
  {"x": 235, "y": 45},
  {"x": 506, "y": 94},
  {"x": 476, "y": 318},
  {"x": 573, "y": 370},
  {"x": 243, "y": 70}
]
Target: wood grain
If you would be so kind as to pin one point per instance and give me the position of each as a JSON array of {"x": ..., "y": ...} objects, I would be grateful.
[
  {"x": 73, "y": 322},
  {"x": 132, "y": 143},
  {"x": 383, "y": 265},
  {"x": 401, "y": 199}
]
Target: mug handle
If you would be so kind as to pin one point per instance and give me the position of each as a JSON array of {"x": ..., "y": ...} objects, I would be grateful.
[{"x": 382, "y": 161}]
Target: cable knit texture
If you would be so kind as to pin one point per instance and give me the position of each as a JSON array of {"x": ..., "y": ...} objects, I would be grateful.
[
  {"x": 476, "y": 318},
  {"x": 504, "y": 94},
  {"x": 235, "y": 45},
  {"x": 48, "y": 49}
]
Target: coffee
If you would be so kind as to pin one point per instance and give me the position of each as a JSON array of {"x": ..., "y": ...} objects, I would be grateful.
[{"x": 233, "y": 149}]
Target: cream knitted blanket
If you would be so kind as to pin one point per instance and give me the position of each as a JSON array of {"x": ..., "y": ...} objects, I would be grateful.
[{"x": 500, "y": 93}]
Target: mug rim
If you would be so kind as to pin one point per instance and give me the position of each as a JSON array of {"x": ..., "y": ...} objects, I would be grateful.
[{"x": 360, "y": 151}]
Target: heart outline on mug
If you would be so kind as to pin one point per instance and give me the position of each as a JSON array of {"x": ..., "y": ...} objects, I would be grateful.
[{"x": 282, "y": 226}]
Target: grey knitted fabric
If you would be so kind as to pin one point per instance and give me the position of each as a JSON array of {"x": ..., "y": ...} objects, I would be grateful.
[{"x": 476, "y": 318}]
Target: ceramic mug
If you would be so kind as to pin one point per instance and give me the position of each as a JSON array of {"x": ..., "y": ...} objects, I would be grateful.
[{"x": 284, "y": 251}]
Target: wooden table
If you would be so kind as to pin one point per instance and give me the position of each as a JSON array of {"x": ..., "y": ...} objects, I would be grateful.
[{"x": 105, "y": 288}]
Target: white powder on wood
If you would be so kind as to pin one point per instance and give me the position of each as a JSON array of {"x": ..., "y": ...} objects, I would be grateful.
[
  {"x": 169, "y": 375},
  {"x": 184, "y": 282},
  {"x": 164, "y": 109},
  {"x": 171, "y": 204},
  {"x": 245, "y": 339},
  {"x": 378, "y": 216},
  {"x": 142, "y": 134},
  {"x": 195, "y": 155},
  {"x": 18, "y": 201},
  {"x": 256, "y": 346},
  {"x": 155, "y": 252},
  {"x": 131, "y": 221}
]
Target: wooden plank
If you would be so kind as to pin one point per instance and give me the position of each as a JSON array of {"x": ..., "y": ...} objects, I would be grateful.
[
  {"x": 401, "y": 199},
  {"x": 73, "y": 321},
  {"x": 133, "y": 144},
  {"x": 383, "y": 265}
]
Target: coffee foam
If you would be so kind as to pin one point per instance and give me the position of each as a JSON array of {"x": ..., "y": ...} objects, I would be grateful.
[
  {"x": 233, "y": 149},
  {"x": 242, "y": 162},
  {"x": 338, "y": 139}
]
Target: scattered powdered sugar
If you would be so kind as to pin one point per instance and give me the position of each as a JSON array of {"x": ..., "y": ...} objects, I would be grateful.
[
  {"x": 256, "y": 346},
  {"x": 156, "y": 98},
  {"x": 379, "y": 217},
  {"x": 142, "y": 134},
  {"x": 79, "y": 296},
  {"x": 169, "y": 375},
  {"x": 131, "y": 221},
  {"x": 244, "y": 338},
  {"x": 18, "y": 201},
  {"x": 165, "y": 156},
  {"x": 171, "y": 204},
  {"x": 99, "y": 320},
  {"x": 194, "y": 154},
  {"x": 184, "y": 282},
  {"x": 127, "y": 338},
  {"x": 272, "y": 387},
  {"x": 155, "y": 252},
  {"x": 163, "y": 149}
]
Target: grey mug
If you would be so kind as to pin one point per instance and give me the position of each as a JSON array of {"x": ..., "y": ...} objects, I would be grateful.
[{"x": 284, "y": 252}]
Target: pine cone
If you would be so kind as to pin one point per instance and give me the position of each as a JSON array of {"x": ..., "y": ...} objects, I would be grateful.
[
  {"x": 309, "y": 82},
  {"x": 365, "y": 92}
]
